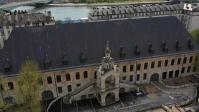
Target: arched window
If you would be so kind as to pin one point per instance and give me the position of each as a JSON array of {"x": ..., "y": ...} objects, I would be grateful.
[
  {"x": 46, "y": 95},
  {"x": 77, "y": 75},
  {"x": 10, "y": 85},
  {"x": 69, "y": 88},
  {"x": 124, "y": 69},
  {"x": 1, "y": 87},
  {"x": 58, "y": 77},
  {"x": 49, "y": 80},
  {"x": 67, "y": 77},
  {"x": 85, "y": 74}
]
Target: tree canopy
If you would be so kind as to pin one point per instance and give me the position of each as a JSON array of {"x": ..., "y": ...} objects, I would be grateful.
[
  {"x": 195, "y": 34},
  {"x": 29, "y": 87}
]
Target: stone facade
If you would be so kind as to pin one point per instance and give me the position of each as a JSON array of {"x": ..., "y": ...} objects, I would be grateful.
[
  {"x": 106, "y": 80},
  {"x": 9, "y": 21}
]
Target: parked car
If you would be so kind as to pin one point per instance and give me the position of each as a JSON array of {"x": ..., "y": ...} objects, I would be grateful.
[{"x": 139, "y": 93}]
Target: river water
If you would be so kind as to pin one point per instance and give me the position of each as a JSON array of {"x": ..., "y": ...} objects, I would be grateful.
[{"x": 61, "y": 13}]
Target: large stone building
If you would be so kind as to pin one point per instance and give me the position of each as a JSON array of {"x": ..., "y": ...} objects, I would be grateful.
[
  {"x": 9, "y": 21},
  {"x": 72, "y": 61},
  {"x": 188, "y": 14}
]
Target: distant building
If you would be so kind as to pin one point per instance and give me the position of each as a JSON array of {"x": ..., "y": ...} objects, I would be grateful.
[
  {"x": 186, "y": 13},
  {"x": 9, "y": 21},
  {"x": 100, "y": 59}
]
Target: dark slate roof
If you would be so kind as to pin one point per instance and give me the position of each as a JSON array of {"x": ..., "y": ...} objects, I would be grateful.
[{"x": 53, "y": 44}]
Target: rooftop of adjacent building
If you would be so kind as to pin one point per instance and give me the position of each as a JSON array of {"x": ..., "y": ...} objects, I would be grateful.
[
  {"x": 126, "y": 9},
  {"x": 82, "y": 44},
  {"x": 22, "y": 17}
]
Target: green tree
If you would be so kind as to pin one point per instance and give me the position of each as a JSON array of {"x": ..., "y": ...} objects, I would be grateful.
[
  {"x": 29, "y": 88},
  {"x": 195, "y": 34}
]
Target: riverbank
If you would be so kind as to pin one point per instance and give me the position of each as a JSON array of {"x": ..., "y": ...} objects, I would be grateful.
[{"x": 101, "y": 4}]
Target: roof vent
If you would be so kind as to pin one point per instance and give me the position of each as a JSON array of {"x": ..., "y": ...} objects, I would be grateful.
[
  {"x": 151, "y": 50},
  {"x": 47, "y": 61},
  {"x": 65, "y": 59},
  {"x": 7, "y": 65},
  {"x": 122, "y": 53},
  {"x": 178, "y": 47},
  {"x": 164, "y": 47},
  {"x": 137, "y": 51},
  {"x": 82, "y": 57},
  {"x": 190, "y": 44}
]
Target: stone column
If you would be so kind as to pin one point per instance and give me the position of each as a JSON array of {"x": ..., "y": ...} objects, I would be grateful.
[
  {"x": 117, "y": 80},
  {"x": 117, "y": 98},
  {"x": 103, "y": 84},
  {"x": 103, "y": 100}
]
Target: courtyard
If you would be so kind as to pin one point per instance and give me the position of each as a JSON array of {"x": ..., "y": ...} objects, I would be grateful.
[{"x": 129, "y": 102}]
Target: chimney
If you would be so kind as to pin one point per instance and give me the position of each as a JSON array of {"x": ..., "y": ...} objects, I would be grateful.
[
  {"x": 17, "y": 17},
  {"x": 9, "y": 18},
  {"x": 49, "y": 13}
]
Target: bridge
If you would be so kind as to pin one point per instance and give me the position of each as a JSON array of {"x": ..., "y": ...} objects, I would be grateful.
[{"x": 37, "y": 3}]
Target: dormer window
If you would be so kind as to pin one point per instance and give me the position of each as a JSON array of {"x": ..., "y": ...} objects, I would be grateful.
[
  {"x": 65, "y": 59},
  {"x": 47, "y": 61},
  {"x": 82, "y": 57},
  {"x": 177, "y": 46},
  {"x": 151, "y": 50},
  {"x": 27, "y": 58},
  {"x": 190, "y": 44},
  {"x": 7, "y": 65},
  {"x": 122, "y": 53},
  {"x": 164, "y": 47},
  {"x": 137, "y": 51}
]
